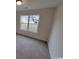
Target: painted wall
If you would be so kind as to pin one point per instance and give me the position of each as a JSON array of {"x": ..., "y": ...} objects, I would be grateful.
[
  {"x": 44, "y": 25},
  {"x": 55, "y": 43}
]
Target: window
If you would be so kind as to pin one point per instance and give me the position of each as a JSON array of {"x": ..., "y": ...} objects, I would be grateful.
[{"x": 29, "y": 23}]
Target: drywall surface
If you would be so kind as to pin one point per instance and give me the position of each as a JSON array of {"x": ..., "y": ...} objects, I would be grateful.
[
  {"x": 55, "y": 43},
  {"x": 44, "y": 24}
]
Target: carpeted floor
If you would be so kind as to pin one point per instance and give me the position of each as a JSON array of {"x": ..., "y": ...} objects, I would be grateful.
[{"x": 27, "y": 48}]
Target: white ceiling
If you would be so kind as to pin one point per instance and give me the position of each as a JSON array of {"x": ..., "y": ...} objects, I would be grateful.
[{"x": 37, "y": 4}]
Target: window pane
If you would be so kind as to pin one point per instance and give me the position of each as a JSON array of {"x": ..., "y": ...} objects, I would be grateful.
[
  {"x": 26, "y": 28},
  {"x": 33, "y": 23},
  {"x": 24, "y": 22},
  {"x": 23, "y": 26},
  {"x": 24, "y": 19}
]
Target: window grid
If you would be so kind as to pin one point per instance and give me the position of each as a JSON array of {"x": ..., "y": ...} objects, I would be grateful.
[{"x": 31, "y": 27}]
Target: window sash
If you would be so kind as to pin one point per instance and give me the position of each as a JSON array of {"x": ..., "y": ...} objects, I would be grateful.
[{"x": 29, "y": 27}]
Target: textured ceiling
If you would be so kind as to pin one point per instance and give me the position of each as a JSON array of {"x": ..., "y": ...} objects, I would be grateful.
[{"x": 37, "y": 4}]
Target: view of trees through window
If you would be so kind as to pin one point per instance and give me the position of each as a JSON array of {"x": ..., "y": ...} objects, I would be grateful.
[{"x": 29, "y": 23}]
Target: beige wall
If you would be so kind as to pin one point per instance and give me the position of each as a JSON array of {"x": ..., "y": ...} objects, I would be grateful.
[
  {"x": 44, "y": 25},
  {"x": 55, "y": 43}
]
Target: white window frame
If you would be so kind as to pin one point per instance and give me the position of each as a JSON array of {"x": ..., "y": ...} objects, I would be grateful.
[{"x": 28, "y": 23}]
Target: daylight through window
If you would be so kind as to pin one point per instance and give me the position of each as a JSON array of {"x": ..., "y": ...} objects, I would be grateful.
[{"x": 29, "y": 23}]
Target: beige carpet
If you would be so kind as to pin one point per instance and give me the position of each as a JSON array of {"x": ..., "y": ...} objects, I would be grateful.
[{"x": 27, "y": 48}]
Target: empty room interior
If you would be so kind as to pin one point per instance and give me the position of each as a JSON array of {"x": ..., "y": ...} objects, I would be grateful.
[{"x": 39, "y": 29}]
